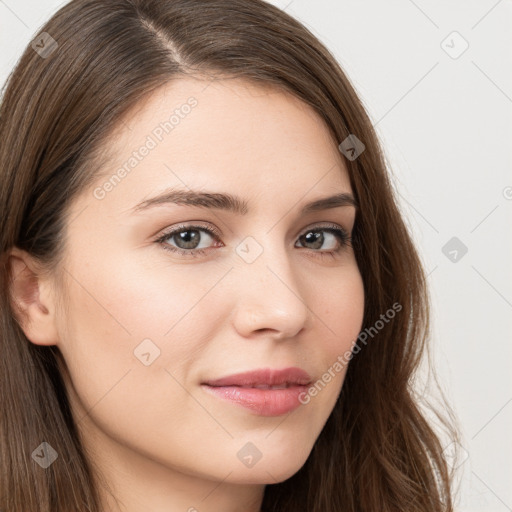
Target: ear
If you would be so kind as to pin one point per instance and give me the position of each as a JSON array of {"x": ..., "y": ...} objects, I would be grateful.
[{"x": 31, "y": 298}]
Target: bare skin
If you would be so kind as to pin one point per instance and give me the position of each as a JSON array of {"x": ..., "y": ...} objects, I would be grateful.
[{"x": 160, "y": 441}]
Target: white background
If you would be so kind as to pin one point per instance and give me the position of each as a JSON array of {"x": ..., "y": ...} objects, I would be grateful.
[{"x": 446, "y": 127}]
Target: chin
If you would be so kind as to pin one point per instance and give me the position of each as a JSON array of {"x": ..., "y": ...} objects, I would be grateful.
[{"x": 267, "y": 472}]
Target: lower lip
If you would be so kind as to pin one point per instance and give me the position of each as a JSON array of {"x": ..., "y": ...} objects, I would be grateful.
[{"x": 265, "y": 402}]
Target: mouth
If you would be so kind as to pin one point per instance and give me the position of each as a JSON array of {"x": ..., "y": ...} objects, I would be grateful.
[{"x": 264, "y": 392}]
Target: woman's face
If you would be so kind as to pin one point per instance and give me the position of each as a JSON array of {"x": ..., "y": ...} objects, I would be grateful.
[{"x": 274, "y": 286}]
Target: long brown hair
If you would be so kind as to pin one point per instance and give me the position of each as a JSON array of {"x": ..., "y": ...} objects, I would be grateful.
[{"x": 377, "y": 450}]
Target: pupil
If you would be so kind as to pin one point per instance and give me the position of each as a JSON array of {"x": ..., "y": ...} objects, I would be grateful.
[
  {"x": 190, "y": 240},
  {"x": 314, "y": 238}
]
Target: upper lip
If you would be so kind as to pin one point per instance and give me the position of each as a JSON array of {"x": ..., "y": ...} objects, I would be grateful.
[{"x": 264, "y": 376}]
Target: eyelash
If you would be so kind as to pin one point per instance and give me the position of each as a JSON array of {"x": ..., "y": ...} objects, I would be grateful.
[{"x": 343, "y": 237}]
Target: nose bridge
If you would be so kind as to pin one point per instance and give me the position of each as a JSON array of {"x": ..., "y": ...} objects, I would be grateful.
[{"x": 268, "y": 293}]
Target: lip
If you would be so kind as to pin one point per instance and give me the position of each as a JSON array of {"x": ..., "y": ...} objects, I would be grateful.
[
  {"x": 242, "y": 389},
  {"x": 264, "y": 402},
  {"x": 264, "y": 377}
]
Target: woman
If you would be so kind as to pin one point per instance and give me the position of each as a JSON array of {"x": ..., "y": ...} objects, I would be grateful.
[{"x": 196, "y": 215}]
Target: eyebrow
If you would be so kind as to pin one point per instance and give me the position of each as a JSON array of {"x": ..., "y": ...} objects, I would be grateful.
[{"x": 231, "y": 203}]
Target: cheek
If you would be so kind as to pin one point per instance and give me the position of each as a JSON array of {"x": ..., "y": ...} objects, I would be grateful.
[
  {"x": 341, "y": 311},
  {"x": 119, "y": 320},
  {"x": 342, "y": 304}
]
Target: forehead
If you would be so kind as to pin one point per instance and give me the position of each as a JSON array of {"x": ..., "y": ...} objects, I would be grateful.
[{"x": 222, "y": 135}]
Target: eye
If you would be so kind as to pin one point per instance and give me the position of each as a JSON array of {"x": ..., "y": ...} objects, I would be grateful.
[
  {"x": 188, "y": 239},
  {"x": 336, "y": 237}
]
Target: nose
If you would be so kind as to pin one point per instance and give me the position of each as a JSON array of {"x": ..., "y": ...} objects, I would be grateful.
[{"x": 269, "y": 301}]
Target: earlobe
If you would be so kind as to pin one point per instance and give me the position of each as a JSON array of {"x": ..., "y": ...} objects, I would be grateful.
[{"x": 31, "y": 298}]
